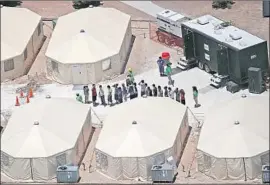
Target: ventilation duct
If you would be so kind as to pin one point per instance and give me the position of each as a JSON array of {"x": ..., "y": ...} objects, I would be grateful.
[{"x": 202, "y": 21}]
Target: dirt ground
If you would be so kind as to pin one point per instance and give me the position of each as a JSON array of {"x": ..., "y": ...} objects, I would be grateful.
[{"x": 246, "y": 15}]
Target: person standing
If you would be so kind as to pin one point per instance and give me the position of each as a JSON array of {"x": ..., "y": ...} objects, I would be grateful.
[
  {"x": 131, "y": 75},
  {"x": 182, "y": 97},
  {"x": 160, "y": 91},
  {"x": 171, "y": 93},
  {"x": 136, "y": 89},
  {"x": 101, "y": 95},
  {"x": 154, "y": 90},
  {"x": 120, "y": 95},
  {"x": 109, "y": 99},
  {"x": 169, "y": 74},
  {"x": 131, "y": 91},
  {"x": 86, "y": 93},
  {"x": 166, "y": 93},
  {"x": 149, "y": 91},
  {"x": 177, "y": 95},
  {"x": 125, "y": 93},
  {"x": 94, "y": 94},
  {"x": 143, "y": 88},
  {"x": 195, "y": 96},
  {"x": 160, "y": 63},
  {"x": 79, "y": 98},
  {"x": 115, "y": 93}
]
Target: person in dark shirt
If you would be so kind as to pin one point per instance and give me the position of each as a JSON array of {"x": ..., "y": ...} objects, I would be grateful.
[
  {"x": 86, "y": 93},
  {"x": 166, "y": 93},
  {"x": 154, "y": 90},
  {"x": 182, "y": 97},
  {"x": 136, "y": 90},
  {"x": 109, "y": 95},
  {"x": 120, "y": 95},
  {"x": 149, "y": 91},
  {"x": 94, "y": 94},
  {"x": 131, "y": 91},
  {"x": 143, "y": 88},
  {"x": 115, "y": 93},
  {"x": 177, "y": 94}
]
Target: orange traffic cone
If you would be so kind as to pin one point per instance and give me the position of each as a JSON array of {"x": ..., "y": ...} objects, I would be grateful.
[
  {"x": 30, "y": 93},
  {"x": 17, "y": 101},
  {"x": 21, "y": 94},
  {"x": 27, "y": 99}
]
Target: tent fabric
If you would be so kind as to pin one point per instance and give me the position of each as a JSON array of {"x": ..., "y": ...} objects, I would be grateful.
[
  {"x": 234, "y": 141},
  {"x": 60, "y": 138},
  {"x": 101, "y": 37},
  {"x": 128, "y": 151},
  {"x": 14, "y": 40}
]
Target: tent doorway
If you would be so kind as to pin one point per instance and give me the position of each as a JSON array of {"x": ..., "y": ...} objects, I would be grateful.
[{"x": 77, "y": 74}]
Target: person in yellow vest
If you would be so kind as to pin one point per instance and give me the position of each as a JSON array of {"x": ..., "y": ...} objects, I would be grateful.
[
  {"x": 79, "y": 98},
  {"x": 130, "y": 75}
]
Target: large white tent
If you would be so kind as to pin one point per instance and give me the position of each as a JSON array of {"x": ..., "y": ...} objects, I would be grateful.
[
  {"x": 42, "y": 135},
  {"x": 21, "y": 38},
  {"x": 234, "y": 141},
  {"x": 126, "y": 150},
  {"x": 89, "y": 45}
]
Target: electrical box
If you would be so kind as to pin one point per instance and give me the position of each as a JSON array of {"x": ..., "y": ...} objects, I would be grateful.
[
  {"x": 170, "y": 22},
  {"x": 232, "y": 87},
  {"x": 265, "y": 174},
  {"x": 255, "y": 80},
  {"x": 67, "y": 174},
  {"x": 163, "y": 173}
]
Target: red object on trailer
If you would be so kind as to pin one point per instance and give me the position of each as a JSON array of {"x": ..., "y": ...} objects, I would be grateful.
[{"x": 165, "y": 55}]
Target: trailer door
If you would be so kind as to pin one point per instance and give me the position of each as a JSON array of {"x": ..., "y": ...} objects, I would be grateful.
[
  {"x": 222, "y": 61},
  {"x": 189, "y": 45}
]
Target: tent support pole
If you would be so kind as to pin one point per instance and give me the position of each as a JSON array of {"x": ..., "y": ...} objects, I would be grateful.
[
  {"x": 245, "y": 169},
  {"x": 31, "y": 168}
]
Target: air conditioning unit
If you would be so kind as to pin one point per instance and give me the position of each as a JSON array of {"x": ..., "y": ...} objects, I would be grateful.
[
  {"x": 163, "y": 173},
  {"x": 265, "y": 174},
  {"x": 255, "y": 80},
  {"x": 67, "y": 174}
]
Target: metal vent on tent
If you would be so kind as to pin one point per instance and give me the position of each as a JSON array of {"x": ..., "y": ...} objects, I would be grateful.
[
  {"x": 82, "y": 31},
  {"x": 134, "y": 123},
  {"x": 48, "y": 96},
  {"x": 36, "y": 123},
  {"x": 236, "y": 122},
  {"x": 243, "y": 95}
]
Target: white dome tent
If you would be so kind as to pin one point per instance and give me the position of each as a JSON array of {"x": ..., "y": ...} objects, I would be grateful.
[
  {"x": 92, "y": 49},
  {"x": 140, "y": 133},
  {"x": 42, "y": 135},
  {"x": 234, "y": 141},
  {"x": 20, "y": 40}
]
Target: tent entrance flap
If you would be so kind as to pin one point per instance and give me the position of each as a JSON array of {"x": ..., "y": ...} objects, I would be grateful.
[{"x": 77, "y": 74}]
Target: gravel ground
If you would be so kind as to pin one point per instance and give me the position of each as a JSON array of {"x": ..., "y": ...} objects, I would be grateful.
[{"x": 246, "y": 15}]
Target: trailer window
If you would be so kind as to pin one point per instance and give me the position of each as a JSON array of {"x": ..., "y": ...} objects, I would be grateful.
[
  {"x": 206, "y": 56},
  {"x": 206, "y": 47}
]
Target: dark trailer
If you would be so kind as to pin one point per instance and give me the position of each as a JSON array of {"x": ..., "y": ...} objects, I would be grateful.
[{"x": 218, "y": 47}]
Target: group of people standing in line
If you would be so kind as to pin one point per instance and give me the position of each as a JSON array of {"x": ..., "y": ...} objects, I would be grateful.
[{"x": 129, "y": 90}]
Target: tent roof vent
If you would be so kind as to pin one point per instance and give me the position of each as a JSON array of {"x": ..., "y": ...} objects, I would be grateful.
[
  {"x": 36, "y": 123},
  {"x": 243, "y": 95},
  {"x": 134, "y": 123},
  {"x": 48, "y": 97},
  {"x": 236, "y": 122},
  {"x": 82, "y": 31}
]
